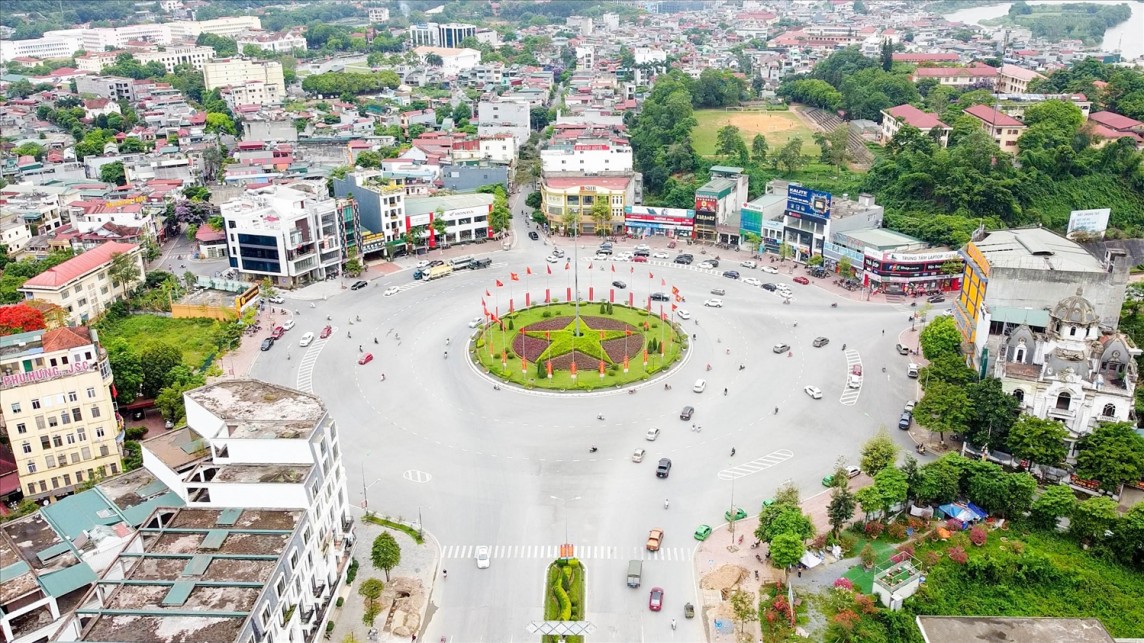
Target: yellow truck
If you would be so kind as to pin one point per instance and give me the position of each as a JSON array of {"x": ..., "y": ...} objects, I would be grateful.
[{"x": 436, "y": 272}]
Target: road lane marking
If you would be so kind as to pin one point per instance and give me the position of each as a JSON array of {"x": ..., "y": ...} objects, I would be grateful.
[{"x": 758, "y": 464}]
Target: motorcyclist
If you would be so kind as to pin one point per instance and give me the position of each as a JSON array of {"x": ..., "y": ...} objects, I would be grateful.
[{"x": 665, "y": 503}]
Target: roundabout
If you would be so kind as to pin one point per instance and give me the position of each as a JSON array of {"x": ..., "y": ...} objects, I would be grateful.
[{"x": 511, "y": 468}]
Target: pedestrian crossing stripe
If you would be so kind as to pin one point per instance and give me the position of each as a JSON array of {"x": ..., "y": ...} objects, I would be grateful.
[
  {"x": 583, "y": 552},
  {"x": 758, "y": 464}
]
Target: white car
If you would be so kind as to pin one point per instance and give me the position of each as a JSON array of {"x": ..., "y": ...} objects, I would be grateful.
[
  {"x": 700, "y": 386},
  {"x": 624, "y": 256},
  {"x": 771, "y": 269},
  {"x": 652, "y": 434},
  {"x": 601, "y": 257},
  {"x": 713, "y": 303},
  {"x": 707, "y": 265},
  {"x": 751, "y": 281},
  {"x": 277, "y": 300},
  {"x": 683, "y": 314},
  {"x": 643, "y": 246},
  {"x": 483, "y": 558},
  {"x": 476, "y": 321},
  {"x": 660, "y": 255},
  {"x": 288, "y": 324},
  {"x": 391, "y": 291},
  {"x": 814, "y": 392},
  {"x": 552, "y": 259},
  {"x": 748, "y": 264},
  {"x": 423, "y": 263},
  {"x": 307, "y": 339}
]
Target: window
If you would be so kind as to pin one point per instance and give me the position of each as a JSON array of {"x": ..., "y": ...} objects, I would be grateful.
[
  {"x": 85, "y": 453},
  {"x": 70, "y": 438},
  {"x": 35, "y": 404},
  {"x": 43, "y": 487},
  {"x": 16, "y": 407},
  {"x": 65, "y": 418},
  {"x": 1109, "y": 410},
  {"x": 103, "y": 451},
  {"x": 99, "y": 432},
  {"x": 76, "y": 415},
  {"x": 1063, "y": 401},
  {"x": 67, "y": 480},
  {"x": 74, "y": 457},
  {"x": 72, "y": 396},
  {"x": 79, "y": 476},
  {"x": 81, "y": 434},
  {"x": 94, "y": 411},
  {"x": 50, "y": 461},
  {"x": 53, "y": 422},
  {"x": 114, "y": 468},
  {"x": 45, "y": 442},
  {"x": 26, "y": 447},
  {"x": 31, "y": 468},
  {"x": 91, "y": 392},
  {"x": 1019, "y": 354},
  {"x": 78, "y": 289},
  {"x": 31, "y": 487},
  {"x": 21, "y": 428},
  {"x": 57, "y": 441},
  {"x": 55, "y": 482},
  {"x": 40, "y": 422},
  {"x": 1020, "y": 395}
]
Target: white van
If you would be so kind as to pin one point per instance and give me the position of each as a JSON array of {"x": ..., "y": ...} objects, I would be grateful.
[
  {"x": 461, "y": 262},
  {"x": 700, "y": 386}
]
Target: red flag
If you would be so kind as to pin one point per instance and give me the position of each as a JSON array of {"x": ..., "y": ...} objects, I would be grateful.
[
  {"x": 549, "y": 269},
  {"x": 650, "y": 276},
  {"x": 568, "y": 266},
  {"x": 499, "y": 284},
  {"x": 632, "y": 270},
  {"x": 487, "y": 293},
  {"x": 674, "y": 290},
  {"x": 527, "y": 270},
  {"x": 613, "y": 268},
  {"x": 662, "y": 282},
  {"x": 628, "y": 333},
  {"x": 114, "y": 393},
  {"x": 513, "y": 276},
  {"x": 493, "y": 318},
  {"x": 674, "y": 308}
]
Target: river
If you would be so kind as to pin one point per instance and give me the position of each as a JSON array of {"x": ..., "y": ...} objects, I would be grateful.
[{"x": 1126, "y": 37}]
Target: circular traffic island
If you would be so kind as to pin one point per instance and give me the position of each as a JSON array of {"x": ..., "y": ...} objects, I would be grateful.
[{"x": 547, "y": 347}]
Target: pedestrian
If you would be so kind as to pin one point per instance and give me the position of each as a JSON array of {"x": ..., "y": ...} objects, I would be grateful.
[
  {"x": 800, "y": 573},
  {"x": 883, "y": 331}
]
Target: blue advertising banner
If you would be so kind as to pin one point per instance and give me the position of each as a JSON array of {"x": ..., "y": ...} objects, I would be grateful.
[{"x": 809, "y": 202}]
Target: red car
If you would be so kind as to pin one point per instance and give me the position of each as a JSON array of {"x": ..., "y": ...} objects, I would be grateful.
[
  {"x": 655, "y": 601},
  {"x": 639, "y": 259},
  {"x": 366, "y": 359},
  {"x": 278, "y": 332},
  {"x": 801, "y": 280},
  {"x": 326, "y": 332}
]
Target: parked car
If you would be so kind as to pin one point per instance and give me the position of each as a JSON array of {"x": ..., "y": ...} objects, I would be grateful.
[
  {"x": 936, "y": 299},
  {"x": 640, "y": 259},
  {"x": 769, "y": 286},
  {"x": 851, "y": 472},
  {"x": 905, "y": 420},
  {"x": 659, "y": 296},
  {"x": 687, "y": 412},
  {"x": 267, "y": 344},
  {"x": 660, "y": 255},
  {"x": 780, "y": 348},
  {"x": 731, "y": 274},
  {"x": 278, "y": 332},
  {"x": 359, "y": 284},
  {"x": 748, "y": 264},
  {"x": 684, "y": 259},
  {"x": 288, "y": 324},
  {"x": 902, "y": 350},
  {"x": 277, "y": 299},
  {"x": 738, "y": 514},
  {"x": 424, "y": 263},
  {"x": 532, "y": 235},
  {"x": 752, "y": 281},
  {"x": 708, "y": 265},
  {"x": 663, "y": 468},
  {"x": 436, "y": 262},
  {"x": 702, "y": 532},
  {"x": 307, "y": 339},
  {"x": 801, "y": 280},
  {"x": 819, "y": 342},
  {"x": 771, "y": 269}
]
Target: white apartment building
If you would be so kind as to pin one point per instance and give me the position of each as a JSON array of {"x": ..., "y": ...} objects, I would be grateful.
[
  {"x": 40, "y": 207},
  {"x": 234, "y": 72},
  {"x": 588, "y": 155},
  {"x": 229, "y": 27},
  {"x": 466, "y": 216},
  {"x": 378, "y": 14},
  {"x": 82, "y": 285},
  {"x": 499, "y": 117},
  {"x": 649, "y": 56},
  {"x": 284, "y": 41},
  {"x": 453, "y": 60},
  {"x": 289, "y": 233},
  {"x": 61, "y": 45},
  {"x": 252, "y": 93},
  {"x": 57, "y": 409},
  {"x": 101, "y": 38},
  {"x": 170, "y": 57},
  {"x": 14, "y": 234}
]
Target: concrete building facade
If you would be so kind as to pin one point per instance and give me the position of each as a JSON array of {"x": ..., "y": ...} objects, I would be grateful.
[
  {"x": 235, "y": 72},
  {"x": 83, "y": 285},
  {"x": 497, "y": 117}
]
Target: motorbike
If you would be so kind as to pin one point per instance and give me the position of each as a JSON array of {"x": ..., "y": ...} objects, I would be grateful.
[
  {"x": 834, "y": 305},
  {"x": 592, "y": 450},
  {"x": 921, "y": 449}
]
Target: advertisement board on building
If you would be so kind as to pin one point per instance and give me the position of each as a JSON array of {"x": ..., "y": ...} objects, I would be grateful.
[
  {"x": 913, "y": 268},
  {"x": 644, "y": 213},
  {"x": 706, "y": 204},
  {"x": 419, "y": 219},
  {"x": 1088, "y": 221},
  {"x": 705, "y": 219},
  {"x": 750, "y": 221},
  {"x": 804, "y": 201}
]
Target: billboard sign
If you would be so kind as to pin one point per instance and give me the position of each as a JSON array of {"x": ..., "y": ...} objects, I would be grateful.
[
  {"x": 805, "y": 201},
  {"x": 706, "y": 203},
  {"x": 705, "y": 219},
  {"x": 1089, "y": 221},
  {"x": 913, "y": 268},
  {"x": 644, "y": 213}
]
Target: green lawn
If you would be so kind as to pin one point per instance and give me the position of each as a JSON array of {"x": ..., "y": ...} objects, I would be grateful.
[
  {"x": 777, "y": 127},
  {"x": 196, "y": 338},
  {"x": 862, "y": 578}
]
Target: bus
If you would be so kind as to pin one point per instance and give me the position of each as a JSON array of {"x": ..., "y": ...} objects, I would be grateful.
[{"x": 461, "y": 263}]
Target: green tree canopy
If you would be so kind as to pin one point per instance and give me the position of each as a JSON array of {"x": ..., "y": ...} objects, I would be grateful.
[
  {"x": 992, "y": 412},
  {"x": 385, "y": 553},
  {"x": 878, "y": 452},
  {"x": 1038, "y": 441},
  {"x": 113, "y": 173},
  {"x": 1057, "y": 501},
  {"x": 157, "y": 362},
  {"x": 786, "y": 550},
  {"x": 940, "y": 337},
  {"x": 1113, "y": 454}
]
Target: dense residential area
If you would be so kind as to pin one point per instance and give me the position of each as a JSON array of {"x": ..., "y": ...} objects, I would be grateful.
[{"x": 906, "y": 240}]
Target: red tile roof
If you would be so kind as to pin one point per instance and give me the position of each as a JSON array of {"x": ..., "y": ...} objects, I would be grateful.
[
  {"x": 989, "y": 115},
  {"x": 64, "y": 338},
  {"x": 1114, "y": 121},
  {"x": 920, "y": 58},
  {"x": 76, "y": 266},
  {"x": 1107, "y": 132},
  {"x": 913, "y": 116}
]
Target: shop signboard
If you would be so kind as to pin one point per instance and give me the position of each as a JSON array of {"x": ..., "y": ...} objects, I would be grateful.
[
  {"x": 705, "y": 219},
  {"x": 913, "y": 268},
  {"x": 706, "y": 204},
  {"x": 808, "y": 203},
  {"x": 1088, "y": 221}
]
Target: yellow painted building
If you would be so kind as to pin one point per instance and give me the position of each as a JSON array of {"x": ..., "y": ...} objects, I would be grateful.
[
  {"x": 577, "y": 194},
  {"x": 57, "y": 411}
]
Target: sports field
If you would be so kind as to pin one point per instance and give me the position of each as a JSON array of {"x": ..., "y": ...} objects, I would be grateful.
[{"x": 777, "y": 127}]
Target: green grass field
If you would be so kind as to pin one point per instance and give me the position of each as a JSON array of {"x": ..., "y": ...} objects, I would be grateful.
[
  {"x": 777, "y": 127},
  {"x": 196, "y": 338}
]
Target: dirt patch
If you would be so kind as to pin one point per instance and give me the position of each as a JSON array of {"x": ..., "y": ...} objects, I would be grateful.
[
  {"x": 402, "y": 599},
  {"x": 723, "y": 579}
]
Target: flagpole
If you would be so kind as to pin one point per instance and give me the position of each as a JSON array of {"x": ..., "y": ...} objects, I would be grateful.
[{"x": 576, "y": 276}]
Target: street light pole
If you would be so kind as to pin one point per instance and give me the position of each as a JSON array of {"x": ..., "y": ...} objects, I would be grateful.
[
  {"x": 564, "y": 502},
  {"x": 732, "y": 546},
  {"x": 364, "y": 489}
]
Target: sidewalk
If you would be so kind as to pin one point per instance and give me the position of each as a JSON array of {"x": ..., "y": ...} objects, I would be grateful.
[{"x": 405, "y": 599}]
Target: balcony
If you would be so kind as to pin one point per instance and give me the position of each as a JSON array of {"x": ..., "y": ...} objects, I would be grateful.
[
  {"x": 347, "y": 523},
  {"x": 317, "y": 589}
]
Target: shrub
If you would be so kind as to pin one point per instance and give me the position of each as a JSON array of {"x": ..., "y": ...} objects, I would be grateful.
[
  {"x": 873, "y": 529},
  {"x": 511, "y": 325},
  {"x": 341, "y": 601},
  {"x": 977, "y": 536},
  {"x": 351, "y": 571},
  {"x": 329, "y": 626},
  {"x": 847, "y": 542},
  {"x": 932, "y": 557},
  {"x": 546, "y": 313},
  {"x": 915, "y": 523},
  {"x": 897, "y": 531},
  {"x": 907, "y": 549},
  {"x": 958, "y": 555},
  {"x": 844, "y": 583},
  {"x": 371, "y": 588},
  {"x": 959, "y": 540},
  {"x": 867, "y": 555},
  {"x": 819, "y": 542},
  {"x": 953, "y": 524},
  {"x": 1017, "y": 547},
  {"x": 135, "y": 432}
]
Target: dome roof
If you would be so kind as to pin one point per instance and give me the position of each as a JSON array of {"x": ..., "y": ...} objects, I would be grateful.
[{"x": 1075, "y": 310}]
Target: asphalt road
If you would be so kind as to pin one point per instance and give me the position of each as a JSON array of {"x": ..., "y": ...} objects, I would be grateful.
[{"x": 511, "y": 469}]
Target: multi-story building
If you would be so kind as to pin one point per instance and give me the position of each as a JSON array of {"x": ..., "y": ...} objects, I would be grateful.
[
  {"x": 496, "y": 117},
  {"x": 719, "y": 201},
  {"x": 42, "y": 208},
  {"x": 978, "y": 75},
  {"x": 113, "y": 87},
  {"x": 61, "y": 45},
  {"x": 380, "y": 206},
  {"x": 378, "y": 14},
  {"x": 171, "y": 57},
  {"x": 287, "y": 233},
  {"x": 251, "y": 93},
  {"x": 466, "y": 217},
  {"x": 1005, "y": 130},
  {"x": 895, "y": 117},
  {"x": 99, "y": 39},
  {"x": 83, "y": 285},
  {"x": 58, "y": 411},
  {"x": 235, "y": 72},
  {"x": 1012, "y": 79},
  {"x": 285, "y": 41},
  {"x": 1015, "y": 104},
  {"x": 453, "y": 60},
  {"x": 229, "y": 27},
  {"x": 574, "y": 194},
  {"x": 576, "y": 148},
  {"x": 1015, "y": 277},
  {"x": 447, "y": 35}
]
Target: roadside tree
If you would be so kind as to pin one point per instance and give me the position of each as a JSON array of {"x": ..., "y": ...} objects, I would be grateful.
[{"x": 385, "y": 554}]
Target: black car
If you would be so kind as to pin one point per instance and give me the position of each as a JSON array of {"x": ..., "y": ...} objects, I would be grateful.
[
  {"x": 643, "y": 253},
  {"x": 619, "y": 284},
  {"x": 663, "y": 468},
  {"x": 659, "y": 296},
  {"x": 687, "y": 412},
  {"x": 731, "y": 274},
  {"x": 819, "y": 342},
  {"x": 936, "y": 299},
  {"x": 904, "y": 421},
  {"x": 769, "y": 286},
  {"x": 358, "y": 285},
  {"x": 684, "y": 259},
  {"x": 267, "y": 343},
  {"x": 435, "y": 263},
  {"x": 477, "y": 264},
  {"x": 532, "y": 235}
]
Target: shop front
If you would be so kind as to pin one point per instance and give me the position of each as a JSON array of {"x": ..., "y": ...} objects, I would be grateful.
[
  {"x": 676, "y": 223},
  {"x": 913, "y": 274}
]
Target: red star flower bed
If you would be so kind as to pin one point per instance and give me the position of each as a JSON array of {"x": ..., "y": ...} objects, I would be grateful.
[{"x": 553, "y": 323}]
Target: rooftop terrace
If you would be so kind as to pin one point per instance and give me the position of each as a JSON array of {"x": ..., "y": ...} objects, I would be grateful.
[{"x": 257, "y": 410}]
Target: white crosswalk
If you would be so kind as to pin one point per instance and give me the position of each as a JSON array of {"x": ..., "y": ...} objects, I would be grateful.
[
  {"x": 583, "y": 552},
  {"x": 850, "y": 395},
  {"x": 305, "y": 380},
  {"x": 758, "y": 464}
]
